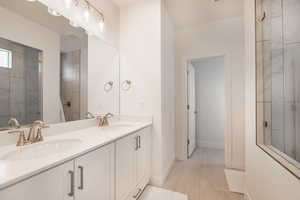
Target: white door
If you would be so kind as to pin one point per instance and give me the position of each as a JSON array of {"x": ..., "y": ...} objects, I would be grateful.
[
  {"x": 54, "y": 184},
  {"x": 95, "y": 175},
  {"x": 191, "y": 110},
  {"x": 126, "y": 149},
  {"x": 143, "y": 157}
]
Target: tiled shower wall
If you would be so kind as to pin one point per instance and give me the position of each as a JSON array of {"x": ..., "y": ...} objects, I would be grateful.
[
  {"x": 19, "y": 86},
  {"x": 278, "y": 51}
]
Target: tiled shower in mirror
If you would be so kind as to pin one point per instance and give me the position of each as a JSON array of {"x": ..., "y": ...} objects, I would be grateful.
[
  {"x": 20, "y": 93},
  {"x": 278, "y": 75}
]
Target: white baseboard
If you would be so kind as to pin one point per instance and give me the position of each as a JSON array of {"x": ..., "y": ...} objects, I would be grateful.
[
  {"x": 235, "y": 180},
  {"x": 160, "y": 180}
]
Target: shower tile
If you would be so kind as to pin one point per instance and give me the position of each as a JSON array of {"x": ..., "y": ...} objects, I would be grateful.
[
  {"x": 292, "y": 73},
  {"x": 277, "y": 60},
  {"x": 291, "y": 20},
  {"x": 4, "y": 103},
  {"x": 278, "y": 116},
  {"x": 4, "y": 120},
  {"x": 17, "y": 90},
  {"x": 18, "y": 67},
  {"x": 4, "y": 82},
  {"x": 277, "y": 87},
  {"x": 290, "y": 131},
  {"x": 278, "y": 140},
  {"x": 273, "y": 8}
]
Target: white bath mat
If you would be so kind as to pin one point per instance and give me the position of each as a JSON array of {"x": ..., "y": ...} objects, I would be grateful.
[{"x": 155, "y": 193}]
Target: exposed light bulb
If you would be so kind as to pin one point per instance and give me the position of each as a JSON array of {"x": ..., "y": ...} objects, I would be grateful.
[
  {"x": 68, "y": 3},
  {"x": 86, "y": 14},
  {"x": 101, "y": 25},
  {"x": 74, "y": 24},
  {"x": 53, "y": 12},
  {"x": 31, "y": 0}
]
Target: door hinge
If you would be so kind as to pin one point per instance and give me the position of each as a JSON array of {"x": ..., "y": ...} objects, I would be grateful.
[
  {"x": 188, "y": 107},
  {"x": 188, "y": 142}
]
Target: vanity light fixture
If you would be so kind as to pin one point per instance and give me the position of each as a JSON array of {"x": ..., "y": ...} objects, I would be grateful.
[
  {"x": 81, "y": 13},
  {"x": 68, "y": 3}
]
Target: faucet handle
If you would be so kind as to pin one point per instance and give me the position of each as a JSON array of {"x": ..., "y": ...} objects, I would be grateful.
[
  {"x": 22, "y": 139},
  {"x": 109, "y": 115},
  {"x": 13, "y": 122}
]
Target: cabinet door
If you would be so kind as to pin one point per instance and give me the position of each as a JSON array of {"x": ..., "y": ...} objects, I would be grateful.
[
  {"x": 143, "y": 157},
  {"x": 126, "y": 167},
  {"x": 54, "y": 184},
  {"x": 95, "y": 175}
]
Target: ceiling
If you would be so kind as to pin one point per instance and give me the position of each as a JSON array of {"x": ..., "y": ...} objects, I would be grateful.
[
  {"x": 121, "y": 3},
  {"x": 186, "y": 13}
]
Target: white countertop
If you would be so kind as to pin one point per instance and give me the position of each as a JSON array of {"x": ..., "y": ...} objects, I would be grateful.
[{"x": 92, "y": 138}]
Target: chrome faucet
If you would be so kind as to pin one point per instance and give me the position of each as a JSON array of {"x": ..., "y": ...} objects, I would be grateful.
[
  {"x": 35, "y": 132},
  {"x": 103, "y": 120}
]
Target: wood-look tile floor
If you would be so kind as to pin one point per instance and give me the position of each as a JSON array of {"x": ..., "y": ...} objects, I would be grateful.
[{"x": 202, "y": 177}]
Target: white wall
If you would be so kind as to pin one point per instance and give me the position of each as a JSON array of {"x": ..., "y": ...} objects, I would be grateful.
[
  {"x": 168, "y": 91},
  {"x": 23, "y": 31},
  {"x": 140, "y": 53},
  {"x": 265, "y": 178},
  {"x": 210, "y": 102},
  {"x": 103, "y": 66},
  {"x": 112, "y": 21},
  {"x": 221, "y": 38},
  {"x": 145, "y": 60}
]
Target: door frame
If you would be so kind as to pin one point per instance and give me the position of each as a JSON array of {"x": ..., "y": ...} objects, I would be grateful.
[
  {"x": 228, "y": 105},
  {"x": 188, "y": 62}
]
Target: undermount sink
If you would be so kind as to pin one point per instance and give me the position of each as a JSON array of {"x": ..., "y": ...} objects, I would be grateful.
[{"x": 39, "y": 150}]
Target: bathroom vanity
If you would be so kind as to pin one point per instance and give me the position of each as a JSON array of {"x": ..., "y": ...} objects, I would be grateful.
[{"x": 93, "y": 163}]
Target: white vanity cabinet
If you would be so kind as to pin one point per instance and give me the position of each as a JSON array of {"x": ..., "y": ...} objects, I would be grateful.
[
  {"x": 132, "y": 164},
  {"x": 95, "y": 175},
  {"x": 117, "y": 171},
  {"x": 54, "y": 184},
  {"x": 90, "y": 176}
]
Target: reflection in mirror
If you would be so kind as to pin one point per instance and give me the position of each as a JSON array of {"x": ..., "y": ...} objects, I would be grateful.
[
  {"x": 20, "y": 86},
  {"x": 50, "y": 70},
  {"x": 278, "y": 81}
]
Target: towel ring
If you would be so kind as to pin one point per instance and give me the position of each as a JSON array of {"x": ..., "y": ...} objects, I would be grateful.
[
  {"x": 126, "y": 85},
  {"x": 108, "y": 86}
]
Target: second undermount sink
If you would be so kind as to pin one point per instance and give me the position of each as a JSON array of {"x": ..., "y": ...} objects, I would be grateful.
[{"x": 40, "y": 150}]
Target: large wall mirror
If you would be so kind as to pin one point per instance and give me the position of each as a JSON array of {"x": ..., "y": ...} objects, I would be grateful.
[
  {"x": 278, "y": 80},
  {"x": 51, "y": 70}
]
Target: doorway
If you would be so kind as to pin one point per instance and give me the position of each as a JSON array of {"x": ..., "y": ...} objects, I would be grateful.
[{"x": 206, "y": 109}]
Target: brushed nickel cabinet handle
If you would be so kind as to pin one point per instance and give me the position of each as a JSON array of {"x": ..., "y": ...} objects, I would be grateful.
[
  {"x": 138, "y": 193},
  {"x": 71, "y": 193},
  {"x": 81, "y": 178},
  {"x": 139, "y": 141},
  {"x": 136, "y": 143}
]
